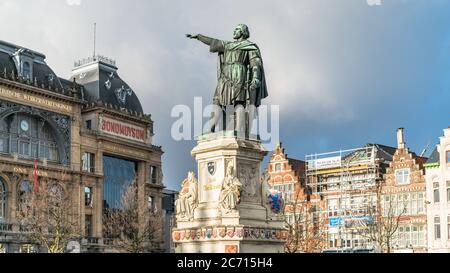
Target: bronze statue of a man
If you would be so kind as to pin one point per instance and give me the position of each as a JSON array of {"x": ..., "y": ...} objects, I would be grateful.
[{"x": 241, "y": 80}]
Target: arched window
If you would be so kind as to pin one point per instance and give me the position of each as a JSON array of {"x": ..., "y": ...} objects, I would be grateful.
[
  {"x": 3, "y": 194},
  {"x": 29, "y": 137}
]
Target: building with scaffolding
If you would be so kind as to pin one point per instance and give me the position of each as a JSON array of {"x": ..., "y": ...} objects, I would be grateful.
[{"x": 349, "y": 182}]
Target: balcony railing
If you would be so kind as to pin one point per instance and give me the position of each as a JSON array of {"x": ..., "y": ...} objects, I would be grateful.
[
  {"x": 6, "y": 227},
  {"x": 92, "y": 240}
]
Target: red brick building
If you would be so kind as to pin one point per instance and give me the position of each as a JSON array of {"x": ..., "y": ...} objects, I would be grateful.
[
  {"x": 303, "y": 209},
  {"x": 403, "y": 196}
]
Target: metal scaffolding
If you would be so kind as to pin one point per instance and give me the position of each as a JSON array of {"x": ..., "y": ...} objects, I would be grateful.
[{"x": 347, "y": 181}]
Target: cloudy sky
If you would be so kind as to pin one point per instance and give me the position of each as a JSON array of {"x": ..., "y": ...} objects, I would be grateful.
[{"x": 344, "y": 73}]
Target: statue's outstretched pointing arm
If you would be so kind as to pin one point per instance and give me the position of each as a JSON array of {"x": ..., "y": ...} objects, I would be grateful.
[
  {"x": 204, "y": 39},
  {"x": 214, "y": 44}
]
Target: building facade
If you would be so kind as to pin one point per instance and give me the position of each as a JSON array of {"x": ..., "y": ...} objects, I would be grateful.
[
  {"x": 403, "y": 196},
  {"x": 87, "y": 137},
  {"x": 303, "y": 209},
  {"x": 437, "y": 175},
  {"x": 349, "y": 182}
]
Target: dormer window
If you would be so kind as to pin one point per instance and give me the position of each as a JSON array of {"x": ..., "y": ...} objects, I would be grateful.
[
  {"x": 26, "y": 70},
  {"x": 51, "y": 78},
  {"x": 24, "y": 59}
]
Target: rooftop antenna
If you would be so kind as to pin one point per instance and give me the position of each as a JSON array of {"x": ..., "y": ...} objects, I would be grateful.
[{"x": 95, "y": 36}]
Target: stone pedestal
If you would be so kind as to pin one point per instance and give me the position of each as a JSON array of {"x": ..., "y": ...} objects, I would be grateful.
[{"x": 250, "y": 228}]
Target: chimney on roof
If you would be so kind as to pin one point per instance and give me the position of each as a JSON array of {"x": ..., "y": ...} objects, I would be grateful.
[{"x": 400, "y": 138}]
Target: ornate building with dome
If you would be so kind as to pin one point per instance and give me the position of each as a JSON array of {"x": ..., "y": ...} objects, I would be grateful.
[{"x": 87, "y": 136}]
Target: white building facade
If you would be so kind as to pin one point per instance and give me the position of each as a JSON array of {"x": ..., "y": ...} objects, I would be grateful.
[{"x": 437, "y": 175}]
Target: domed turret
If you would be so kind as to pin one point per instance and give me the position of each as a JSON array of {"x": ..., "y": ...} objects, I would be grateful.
[
  {"x": 101, "y": 82},
  {"x": 28, "y": 64}
]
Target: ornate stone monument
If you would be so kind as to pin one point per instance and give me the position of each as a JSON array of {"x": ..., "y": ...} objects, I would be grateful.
[{"x": 228, "y": 209}]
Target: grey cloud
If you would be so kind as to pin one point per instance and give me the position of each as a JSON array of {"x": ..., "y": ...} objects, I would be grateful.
[{"x": 329, "y": 63}]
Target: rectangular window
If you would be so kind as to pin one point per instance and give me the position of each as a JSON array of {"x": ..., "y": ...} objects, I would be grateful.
[
  {"x": 448, "y": 157},
  {"x": 88, "y": 225},
  {"x": 407, "y": 204},
  {"x": 402, "y": 176},
  {"x": 421, "y": 236},
  {"x": 88, "y": 196},
  {"x": 436, "y": 192},
  {"x": 420, "y": 204},
  {"x": 448, "y": 191},
  {"x": 52, "y": 152},
  {"x": 437, "y": 228},
  {"x": 448, "y": 227},
  {"x": 88, "y": 161},
  {"x": 150, "y": 203},
  {"x": 355, "y": 243},
  {"x": 153, "y": 174},
  {"x": 2, "y": 145},
  {"x": 24, "y": 148},
  {"x": 333, "y": 240},
  {"x": 401, "y": 236},
  {"x": 278, "y": 167},
  {"x": 413, "y": 203},
  {"x": 394, "y": 207},
  {"x": 415, "y": 235},
  {"x": 401, "y": 201},
  {"x": 332, "y": 207},
  {"x": 34, "y": 150},
  {"x": 407, "y": 235},
  {"x": 89, "y": 124},
  {"x": 386, "y": 205}
]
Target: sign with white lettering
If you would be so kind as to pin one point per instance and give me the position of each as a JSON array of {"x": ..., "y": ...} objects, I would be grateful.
[{"x": 121, "y": 129}]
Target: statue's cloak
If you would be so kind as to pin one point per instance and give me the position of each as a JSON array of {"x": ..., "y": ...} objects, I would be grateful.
[{"x": 246, "y": 45}]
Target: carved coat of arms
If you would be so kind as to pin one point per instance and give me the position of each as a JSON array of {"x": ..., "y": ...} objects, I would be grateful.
[
  {"x": 275, "y": 201},
  {"x": 211, "y": 168},
  {"x": 230, "y": 232}
]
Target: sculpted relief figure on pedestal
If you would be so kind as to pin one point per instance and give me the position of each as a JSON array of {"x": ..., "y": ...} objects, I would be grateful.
[
  {"x": 249, "y": 177},
  {"x": 230, "y": 196},
  {"x": 241, "y": 80},
  {"x": 187, "y": 199}
]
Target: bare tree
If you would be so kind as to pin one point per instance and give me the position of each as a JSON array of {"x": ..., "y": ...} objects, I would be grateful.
[
  {"x": 382, "y": 224},
  {"x": 46, "y": 218},
  {"x": 305, "y": 226},
  {"x": 134, "y": 226}
]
